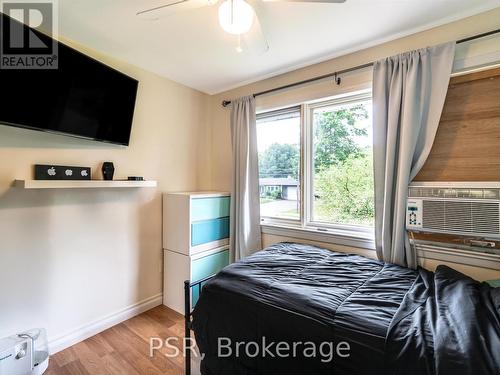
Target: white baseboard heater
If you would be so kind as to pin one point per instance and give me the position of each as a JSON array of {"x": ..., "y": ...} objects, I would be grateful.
[{"x": 456, "y": 208}]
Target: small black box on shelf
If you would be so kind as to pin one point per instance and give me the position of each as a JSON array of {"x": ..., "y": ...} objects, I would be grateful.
[{"x": 61, "y": 172}]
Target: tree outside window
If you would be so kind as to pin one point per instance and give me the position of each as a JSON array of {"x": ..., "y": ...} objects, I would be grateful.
[
  {"x": 341, "y": 183},
  {"x": 343, "y": 172}
]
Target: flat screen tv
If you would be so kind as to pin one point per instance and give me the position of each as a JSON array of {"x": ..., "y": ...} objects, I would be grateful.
[{"x": 81, "y": 98}]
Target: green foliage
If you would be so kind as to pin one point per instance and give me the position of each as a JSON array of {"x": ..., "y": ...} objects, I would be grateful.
[
  {"x": 279, "y": 161},
  {"x": 335, "y": 133},
  {"x": 343, "y": 176},
  {"x": 344, "y": 192},
  {"x": 274, "y": 195}
]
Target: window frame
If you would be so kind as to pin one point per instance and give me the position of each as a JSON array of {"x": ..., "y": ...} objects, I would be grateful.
[
  {"x": 350, "y": 98},
  {"x": 305, "y": 227}
]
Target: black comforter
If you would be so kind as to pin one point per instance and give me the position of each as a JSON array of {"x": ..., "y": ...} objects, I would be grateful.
[
  {"x": 447, "y": 323},
  {"x": 291, "y": 293}
]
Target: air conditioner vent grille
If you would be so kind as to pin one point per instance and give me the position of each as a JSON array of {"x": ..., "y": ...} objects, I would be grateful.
[
  {"x": 461, "y": 216},
  {"x": 437, "y": 192}
]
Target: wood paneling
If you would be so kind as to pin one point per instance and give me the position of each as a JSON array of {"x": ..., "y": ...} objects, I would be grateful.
[
  {"x": 467, "y": 144},
  {"x": 124, "y": 348}
]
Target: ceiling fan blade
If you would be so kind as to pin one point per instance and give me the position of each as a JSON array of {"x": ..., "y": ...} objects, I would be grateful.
[
  {"x": 309, "y": 1},
  {"x": 171, "y": 7},
  {"x": 256, "y": 39}
]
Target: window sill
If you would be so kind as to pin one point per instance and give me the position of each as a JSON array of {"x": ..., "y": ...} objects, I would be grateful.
[{"x": 362, "y": 240}]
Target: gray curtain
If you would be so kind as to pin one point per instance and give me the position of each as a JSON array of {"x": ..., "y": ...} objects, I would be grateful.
[
  {"x": 245, "y": 206},
  {"x": 409, "y": 91}
]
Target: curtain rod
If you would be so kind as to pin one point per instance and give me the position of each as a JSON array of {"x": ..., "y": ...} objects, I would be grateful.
[{"x": 225, "y": 103}]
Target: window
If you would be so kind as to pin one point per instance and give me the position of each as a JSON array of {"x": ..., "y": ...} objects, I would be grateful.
[
  {"x": 316, "y": 165},
  {"x": 342, "y": 168},
  {"x": 278, "y": 135}
]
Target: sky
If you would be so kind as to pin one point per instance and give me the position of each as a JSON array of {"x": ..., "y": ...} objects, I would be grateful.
[
  {"x": 283, "y": 132},
  {"x": 287, "y": 131}
]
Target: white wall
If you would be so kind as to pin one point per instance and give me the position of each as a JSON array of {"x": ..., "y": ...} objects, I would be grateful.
[{"x": 71, "y": 257}]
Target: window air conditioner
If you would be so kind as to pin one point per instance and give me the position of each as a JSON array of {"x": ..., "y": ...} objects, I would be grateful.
[{"x": 460, "y": 208}]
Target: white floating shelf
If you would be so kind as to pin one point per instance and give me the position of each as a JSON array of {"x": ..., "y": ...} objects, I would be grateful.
[{"x": 82, "y": 184}]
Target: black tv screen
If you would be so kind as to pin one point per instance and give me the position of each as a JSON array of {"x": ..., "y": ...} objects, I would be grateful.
[{"x": 81, "y": 98}]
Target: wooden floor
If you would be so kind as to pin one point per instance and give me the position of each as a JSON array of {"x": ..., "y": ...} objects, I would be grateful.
[{"x": 124, "y": 348}]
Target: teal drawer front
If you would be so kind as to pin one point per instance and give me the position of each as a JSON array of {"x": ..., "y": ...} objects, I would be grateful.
[
  {"x": 209, "y": 208},
  {"x": 209, "y": 230},
  {"x": 207, "y": 266}
]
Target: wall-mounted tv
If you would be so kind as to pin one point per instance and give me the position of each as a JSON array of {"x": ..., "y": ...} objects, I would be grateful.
[{"x": 81, "y": 98}]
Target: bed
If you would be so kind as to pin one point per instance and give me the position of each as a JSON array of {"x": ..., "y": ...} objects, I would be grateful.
[{"x": 394, "y": 320}]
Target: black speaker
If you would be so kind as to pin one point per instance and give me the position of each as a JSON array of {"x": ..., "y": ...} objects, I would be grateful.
[
  {"x": 108, "y": 170},
  {"x": 61, "y": 172}
]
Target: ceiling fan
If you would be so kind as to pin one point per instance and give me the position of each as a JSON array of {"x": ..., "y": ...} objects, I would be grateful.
[{"x": 236, "y": 17}]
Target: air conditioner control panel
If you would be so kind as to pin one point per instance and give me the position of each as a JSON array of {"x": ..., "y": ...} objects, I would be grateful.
[{"x": 414, "y": 214}]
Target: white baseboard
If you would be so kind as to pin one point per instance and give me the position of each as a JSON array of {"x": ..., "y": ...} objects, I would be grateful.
[{"x": 85, "y": 331}]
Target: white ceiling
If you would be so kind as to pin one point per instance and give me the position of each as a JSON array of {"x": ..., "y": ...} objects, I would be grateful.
[{"x": 190, "y": 47}]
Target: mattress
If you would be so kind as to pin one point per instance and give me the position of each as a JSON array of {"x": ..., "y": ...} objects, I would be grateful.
[{"x": 294, "y": 293}]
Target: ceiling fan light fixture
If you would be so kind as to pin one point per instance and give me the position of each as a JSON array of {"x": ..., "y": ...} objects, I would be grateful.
[{"x": 236, "y": 16}]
